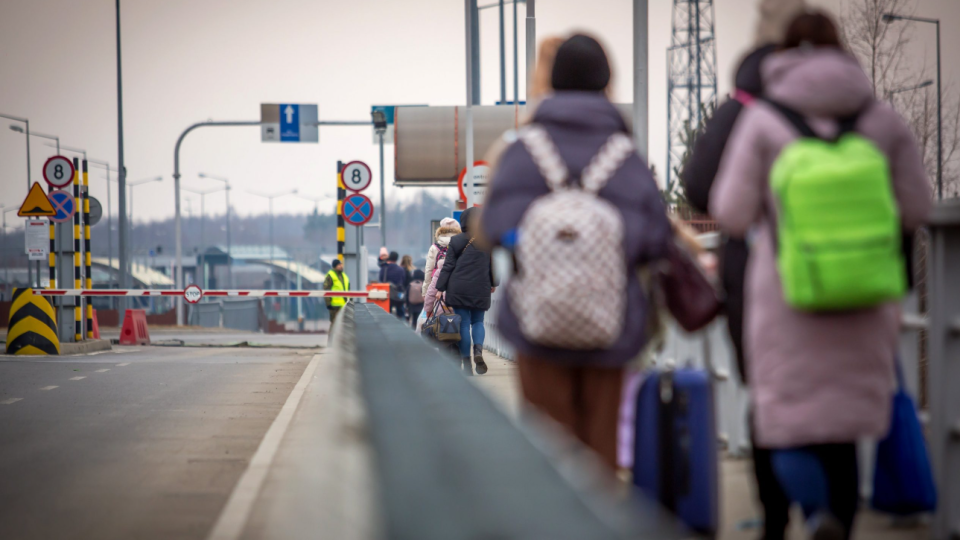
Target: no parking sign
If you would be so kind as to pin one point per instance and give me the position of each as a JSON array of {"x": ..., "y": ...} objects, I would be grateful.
[{"x": 357, "y": 209}]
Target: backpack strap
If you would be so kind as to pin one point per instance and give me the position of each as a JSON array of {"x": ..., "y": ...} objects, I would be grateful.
[
  {"x": 606, "y": 162},
  {"x": 796, "y": 119},
  {"x": 545, "y": 156},
  {"x": 846, "y": 124}
]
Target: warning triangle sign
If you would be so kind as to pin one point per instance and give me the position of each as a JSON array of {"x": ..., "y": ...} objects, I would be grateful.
[{"x": 36, "y": 204}]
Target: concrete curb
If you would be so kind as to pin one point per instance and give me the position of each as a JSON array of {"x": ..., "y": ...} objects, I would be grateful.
[{"x": 84, "y": 347}]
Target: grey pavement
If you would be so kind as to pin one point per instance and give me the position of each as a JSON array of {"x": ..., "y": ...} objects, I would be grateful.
[
  {"x": 739, "y": 508},
  {"x": 138, "y": 442},
  {"x": 220, "y": 336}
]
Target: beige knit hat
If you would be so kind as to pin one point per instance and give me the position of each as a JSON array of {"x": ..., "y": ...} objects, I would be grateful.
[{"x": 775, "y": 17}]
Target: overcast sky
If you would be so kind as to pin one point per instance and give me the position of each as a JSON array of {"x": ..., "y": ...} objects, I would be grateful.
[{"x": 191, "y": 60}]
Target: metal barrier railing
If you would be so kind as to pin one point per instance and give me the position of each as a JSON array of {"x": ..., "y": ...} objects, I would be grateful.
[
  {"x": 451, "y": 465},
  {"x": 943, "y": 376}
]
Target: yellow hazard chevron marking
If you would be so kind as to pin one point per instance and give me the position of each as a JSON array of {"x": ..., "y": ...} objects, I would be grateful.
[
  {"x": 29, "y": 298},
  {"x": 36, "y": 204},
  {"x": 340, "y": 234},
  {"x": 32, "y": 325}
]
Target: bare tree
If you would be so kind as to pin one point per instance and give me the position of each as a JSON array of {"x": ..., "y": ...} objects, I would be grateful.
[
  {"x": 878, "y": 45},
  {"x": 884, "y": 51}
]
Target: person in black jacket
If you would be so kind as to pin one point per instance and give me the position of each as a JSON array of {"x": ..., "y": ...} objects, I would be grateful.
[
  {"x": 697, "y": 177},
  {"x": 467, "y": 281}
]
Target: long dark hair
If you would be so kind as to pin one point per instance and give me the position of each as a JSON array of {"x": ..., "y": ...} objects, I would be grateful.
[{"x": 813, "y": 29}]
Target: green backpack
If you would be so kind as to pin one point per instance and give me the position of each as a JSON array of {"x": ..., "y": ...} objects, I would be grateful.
[{"x": 839, "y": 232}]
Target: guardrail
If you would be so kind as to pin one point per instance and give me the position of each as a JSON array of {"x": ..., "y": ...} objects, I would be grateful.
[{"x": 450, "y": 463}]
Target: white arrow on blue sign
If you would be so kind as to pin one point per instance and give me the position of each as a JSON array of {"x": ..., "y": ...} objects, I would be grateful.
[{"x": 288, "y": 122}]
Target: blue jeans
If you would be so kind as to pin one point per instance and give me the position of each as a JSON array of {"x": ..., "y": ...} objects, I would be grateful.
[
  {"x": 471, "y": 321},
  {"x": 822, "y": 477}
]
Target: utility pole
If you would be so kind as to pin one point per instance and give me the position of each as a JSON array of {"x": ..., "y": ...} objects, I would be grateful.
[
  {"x": 516, "y": 58},
  {"x": 640, "y": 98},
  {"x": 471, "y": 16},
  {"x": 503, "y": 57},
  {"x": 124, "y": 248},
  {"x": 531, "y": 42}
]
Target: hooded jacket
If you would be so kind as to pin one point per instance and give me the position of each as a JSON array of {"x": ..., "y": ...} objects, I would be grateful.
[
  {"x": 442, "y": 239},
  {"x": 579, "y": 123},
  {"x": 467, "y": 273},
  {"x": 815, "y": 378}
]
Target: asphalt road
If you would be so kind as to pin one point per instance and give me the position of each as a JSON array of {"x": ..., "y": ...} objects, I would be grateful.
[{"x": 137, "y": 443}]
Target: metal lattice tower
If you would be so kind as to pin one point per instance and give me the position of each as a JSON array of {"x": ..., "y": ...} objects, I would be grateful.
[{"x": 691, "y": 74}]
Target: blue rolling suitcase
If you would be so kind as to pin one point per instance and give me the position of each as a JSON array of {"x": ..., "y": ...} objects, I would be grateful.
[{"x": 675, "y": 446}]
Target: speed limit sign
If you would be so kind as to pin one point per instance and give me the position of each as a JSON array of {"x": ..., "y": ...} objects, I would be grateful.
[
  {"x": 192, "y": 294},
  {"x": 356, "y": 176},
  {"x": 58, "y": 171}
]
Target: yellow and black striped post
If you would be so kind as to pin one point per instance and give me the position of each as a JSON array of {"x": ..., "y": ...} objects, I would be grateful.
[
  {"x": 53, "y": 256},
  {"x": 32, "y": 327},
  {"x": 86, "y": 248},
  {"x": 77, "y": 278},
  {"x": 341, "y": 194}
]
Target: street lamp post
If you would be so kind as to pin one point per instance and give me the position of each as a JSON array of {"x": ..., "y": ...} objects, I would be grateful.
[
  {"x": 106, "y": 166},
  {"x": 29, "y": 185},
  {"x": 889, "y": 18},
  {"x": 132, "y": 185},
  {"x": 270, "y": 198},
  {"x": 226, "y": 184},
  {"x": 29, "y": 134},
  {"x": 3, "y": 246},
  {"x": 75, "y": 150},
  {"x": 380, "y": 126},
  {"x": 891, "y": 93},
  {"x": 203, "y": 249},
  {"x": 19, "y": 129},
  {"x": 27, "y": 123}
]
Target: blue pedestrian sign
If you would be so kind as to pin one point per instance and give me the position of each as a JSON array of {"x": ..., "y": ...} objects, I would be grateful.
[
  {"x": 357, "y": 209},
  {"x": 64, "y": 204},
  {"x": 288, "y": 122}
]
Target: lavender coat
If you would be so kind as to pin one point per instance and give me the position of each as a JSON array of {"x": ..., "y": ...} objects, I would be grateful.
[
  {"x": 815, "y": 378},
  {"x": 579, "y": 123}
]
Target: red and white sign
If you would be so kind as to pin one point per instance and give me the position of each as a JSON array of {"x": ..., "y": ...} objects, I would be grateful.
[
  {"x": 473, "y": 190},
  {"x": 192, "y": 294},
  {"x": 356, "y": 176},
  {"x": 58, "y": 171}
]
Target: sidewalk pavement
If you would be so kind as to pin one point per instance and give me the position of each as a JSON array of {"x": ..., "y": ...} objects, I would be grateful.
[{"x": 740, "y": 509}]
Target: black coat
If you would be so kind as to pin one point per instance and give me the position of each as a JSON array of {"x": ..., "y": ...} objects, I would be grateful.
[
  {"x": 697, "y": 177},
  {"x": 467, "y": 273}
]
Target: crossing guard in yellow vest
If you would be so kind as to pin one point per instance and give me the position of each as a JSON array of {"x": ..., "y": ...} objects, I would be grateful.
[
  {"x": 32, "y": 327},
  {"x": 336, "y": 280}
]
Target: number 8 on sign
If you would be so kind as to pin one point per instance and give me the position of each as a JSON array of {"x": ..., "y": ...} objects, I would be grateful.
[
  {"x": 58, "y": 171},
  {"x": 356, "y": 176}
]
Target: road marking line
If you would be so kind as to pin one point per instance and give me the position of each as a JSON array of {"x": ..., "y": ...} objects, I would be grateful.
[
  {"x": 102, "y": 370},
  {"x": 123, "y": 364},
  {"x": 11, "y": 401},
  {"x": 49, "y": 387},
  {"x": 233, "y": 518},
  {"x": 77, "y": 378}
]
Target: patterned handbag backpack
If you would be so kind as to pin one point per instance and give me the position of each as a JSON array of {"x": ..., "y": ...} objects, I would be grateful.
[{"x": 559, "y": 301}]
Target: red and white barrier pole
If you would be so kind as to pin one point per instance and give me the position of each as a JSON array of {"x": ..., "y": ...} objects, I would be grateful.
[{"x": 193, "y": 294}]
